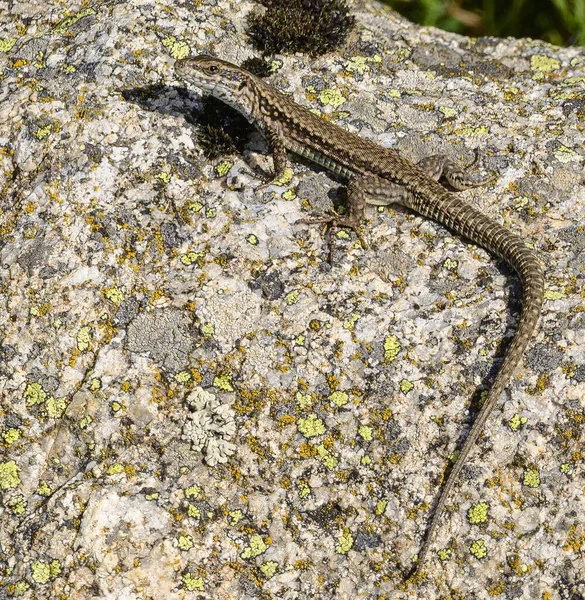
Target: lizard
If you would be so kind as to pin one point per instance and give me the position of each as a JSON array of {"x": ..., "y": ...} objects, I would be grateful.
[{"x": 381, "y": 176}]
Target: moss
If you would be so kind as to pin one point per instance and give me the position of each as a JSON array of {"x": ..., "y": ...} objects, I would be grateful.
[
  {"x": 220, "y": 129},
  {"x": 312, "y": 27},
  {"x": 259, "y": 66}
]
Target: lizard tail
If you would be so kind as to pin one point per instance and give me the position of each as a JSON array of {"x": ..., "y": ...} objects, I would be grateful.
[{"x": 470, "y": 223}]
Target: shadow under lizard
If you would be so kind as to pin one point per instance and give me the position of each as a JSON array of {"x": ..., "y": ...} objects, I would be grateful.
[{"x": 380, "y": 176}]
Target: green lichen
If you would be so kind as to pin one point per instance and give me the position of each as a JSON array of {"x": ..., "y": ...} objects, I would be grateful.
[
  {"x": 292, "y": 297},
  {"x": 192, "y": 492},
  {"x": 115, "y": 469},
  {"x": 9, "y": 478},
  {"x": 478, "y": 513},
  {"x": 285, "y": 178},
  {"x": 193, "y": 512},
  {"x": 551, "y": 295},
  {"x": 365, "y": 432},
  {"x": 311, "y": 426},
  {"x": 236, "y": 516},
  {"x": 531, "y": 478},
  {"x": 391, "y": 348},
  {"x": 350, "y": 323},
  {"x": 191, "y": 257},
  {"x": 34, "y": 394},
  {"x": 20, "y": 588},
  {"x": 11, "y": 435},
  {"x": 43, "y": 572},
  {"x": 43, "y": 132},
  {"x": 406, "y": 386},
  {"x": 381, "y": 507},
  {"x": 17, "y": 505},
  {"x": 359, "y": 64},
  {"x": 224, "y": 382},
  {"x": 223, "y": 168},
  {"x": 339, "y": 398},
  {"x": 303, "y": 401},
  {"x": 540, "y": 62},
  {"x": 256, "y": 547},
  {"x": 444, "y": 554},
  {"x": 176, "y": 49},
  {"x": 478, "y": 549},
  {"x": 344, "y": 543},
  {"x": 115, "y": 295},
  {"x": 208, "y": 329},
  {"x": 64, "y": 26},
  {"x": 303, "y": 490},
  {"x": 56, "y": 407},
  {"x": 516, "y": 422},
  {"x": 330, "y": 97},
  {"x": 566, "y": 155},
  {"x": 7, "y": 44},
  {"x": 183, "y": 377},
  {"x": 185, "y": 542},
  {"x": 163, "y": 176},
  {"x": 326, "y": 457},
  {"x": 192, "y": 583},
  {"x": 447, "y": 111},
  {"x": 43, "y": 489},
  {"x": 83, "y": 338},
  {"x": 85, "y": 422},
  {"x": 268, "y": 569}
]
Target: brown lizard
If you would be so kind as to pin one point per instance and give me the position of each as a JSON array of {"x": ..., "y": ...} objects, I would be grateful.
[{"x": 380, "y": 176}]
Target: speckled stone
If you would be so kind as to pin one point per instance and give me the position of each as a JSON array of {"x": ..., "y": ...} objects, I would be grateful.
[{"x": 196, "y": 404}]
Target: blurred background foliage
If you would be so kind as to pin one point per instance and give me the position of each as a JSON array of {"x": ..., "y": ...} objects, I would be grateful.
[{"x": 560, "y": 22}]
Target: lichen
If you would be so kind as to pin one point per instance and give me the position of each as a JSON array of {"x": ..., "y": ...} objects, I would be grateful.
[
  {"x": 256, "y": 547},
  {"x": 9, "y": 475},
  {"x": 531, "y": 478},
  {"x": 210, "y": 427},
  {"x": 311, "y": 426},
  {"x": 478, "y": 513}
]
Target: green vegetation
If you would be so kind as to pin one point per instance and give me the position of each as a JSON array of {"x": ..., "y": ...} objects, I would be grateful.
[{"x": 560, "y": 22}]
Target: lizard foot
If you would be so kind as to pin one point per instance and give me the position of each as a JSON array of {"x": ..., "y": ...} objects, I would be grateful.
[{"x": 333, "y": 220}]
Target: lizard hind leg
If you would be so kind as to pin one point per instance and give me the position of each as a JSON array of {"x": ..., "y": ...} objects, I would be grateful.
[
  {"x": 458, "y": 177},
  {"x": 359, "y": 189}
]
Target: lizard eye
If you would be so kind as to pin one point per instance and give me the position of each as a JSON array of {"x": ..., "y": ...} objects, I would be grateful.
[{"x": 213, "y": 69}]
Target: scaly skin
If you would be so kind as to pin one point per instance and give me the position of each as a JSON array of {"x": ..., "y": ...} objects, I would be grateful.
[{"x": 380, "y": 176}]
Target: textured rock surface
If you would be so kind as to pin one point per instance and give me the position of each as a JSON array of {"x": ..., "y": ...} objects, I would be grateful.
[{"x": 324, "y": 401}]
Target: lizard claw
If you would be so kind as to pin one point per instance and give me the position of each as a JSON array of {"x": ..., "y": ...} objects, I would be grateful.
[{"x": 334, "y": 220}]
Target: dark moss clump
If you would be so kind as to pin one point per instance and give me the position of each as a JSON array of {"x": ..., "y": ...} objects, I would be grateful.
[
  {"x": 312, "y": 27},
  {"x": 221, "y": 130},
  {"x": 259, "y": 66}
]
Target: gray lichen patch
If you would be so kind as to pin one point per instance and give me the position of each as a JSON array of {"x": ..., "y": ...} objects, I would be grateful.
[
  {"x": 166, "y": 335},
  {"x": 326, "y": 400}
]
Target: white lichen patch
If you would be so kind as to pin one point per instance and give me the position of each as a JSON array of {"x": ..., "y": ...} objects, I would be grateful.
[{"x": 210, "y": 427}]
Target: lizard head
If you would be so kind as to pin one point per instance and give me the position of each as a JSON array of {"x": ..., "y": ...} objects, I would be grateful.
[
  {"x": 226, "y": 81},
  {"x": 221, "y": 79}
]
